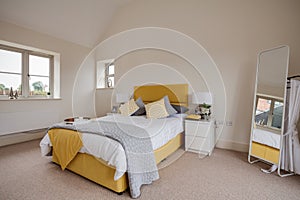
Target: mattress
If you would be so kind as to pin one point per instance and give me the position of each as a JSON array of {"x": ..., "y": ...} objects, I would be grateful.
[
  {"x": 160, "y": 130},
  {"x": 266, "y": 137}
]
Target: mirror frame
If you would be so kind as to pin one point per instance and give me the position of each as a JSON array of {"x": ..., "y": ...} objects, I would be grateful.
[{"x": 255, "y": 104}]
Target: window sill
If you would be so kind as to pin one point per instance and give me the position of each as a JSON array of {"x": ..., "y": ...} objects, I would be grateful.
[
  {"x": 30, "y": 99},
  {"x": 105, "y": 88}
]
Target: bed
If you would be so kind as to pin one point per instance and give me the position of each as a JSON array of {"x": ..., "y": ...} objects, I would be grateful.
[
  {"x": 265, "y": 145},
  {"x": 104, "y": 171}
]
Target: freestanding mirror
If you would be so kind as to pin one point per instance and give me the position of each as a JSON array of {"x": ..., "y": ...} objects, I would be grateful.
[{"x": 269, "y": 106}]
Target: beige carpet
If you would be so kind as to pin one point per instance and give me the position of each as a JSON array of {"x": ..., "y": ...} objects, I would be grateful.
[{"x": 24, "y": 174}]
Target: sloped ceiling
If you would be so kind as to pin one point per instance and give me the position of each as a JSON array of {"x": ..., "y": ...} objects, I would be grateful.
[{"x": 79, "y": 21}]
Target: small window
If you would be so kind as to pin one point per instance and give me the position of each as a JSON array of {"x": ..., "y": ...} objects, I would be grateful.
[
  {"x": 106, "y": 74},
  {"x": 269, "y": 112},
  {"x": 110, "y": 75}
]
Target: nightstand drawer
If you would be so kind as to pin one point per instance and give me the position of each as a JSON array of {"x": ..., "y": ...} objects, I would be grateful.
[
  {"x": 195, "y": 128},
  {"x": 197, "y": 144}
]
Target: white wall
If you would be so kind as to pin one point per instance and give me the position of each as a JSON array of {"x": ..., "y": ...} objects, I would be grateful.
[
  {"x": 149, "y": 66},
  {"x": 18, "y": 115},
  {"x": 233, "y": 32},
  {"x": 163, "y": 39}
]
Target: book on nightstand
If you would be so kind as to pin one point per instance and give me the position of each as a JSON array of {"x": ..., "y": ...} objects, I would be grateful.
[{"x": 193, "y": 117}]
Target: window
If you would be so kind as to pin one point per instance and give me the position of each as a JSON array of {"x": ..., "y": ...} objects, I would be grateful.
[
  {"x": 106, "y": 74},
  {"x": 39, "y": 75},
  {"x": 110, "y": 75},
  {"x": 27, "y": 72},
  {"x": 10, "y": 71},
  {"x": 269, "y": 112}
]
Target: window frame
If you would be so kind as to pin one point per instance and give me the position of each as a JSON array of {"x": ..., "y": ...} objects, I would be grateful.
[
  {"x": 51, "y": 68},
  {"x": 25, "y": 77},
  {"x": 102, "y": 68},
  {"x": 8, "y": 48},
  {"x": 271, "y": 111},
  {"x": 107, "y": 75}
]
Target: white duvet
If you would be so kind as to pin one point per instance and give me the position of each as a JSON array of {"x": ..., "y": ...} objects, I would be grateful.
[{"x": 159, "y": 130}]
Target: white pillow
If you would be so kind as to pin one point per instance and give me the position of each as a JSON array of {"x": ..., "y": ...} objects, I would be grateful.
[
  {"x": 156, "y": 110},
  {"x": 129, "y": 108}
]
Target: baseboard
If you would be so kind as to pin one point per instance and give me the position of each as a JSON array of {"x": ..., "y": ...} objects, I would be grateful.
[
  {"x": 230, "y": 145},
  {"x": 21, "y": 137}
]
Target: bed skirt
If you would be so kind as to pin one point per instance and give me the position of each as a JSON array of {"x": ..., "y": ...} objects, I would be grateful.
[{"x": 99, "y": 171}]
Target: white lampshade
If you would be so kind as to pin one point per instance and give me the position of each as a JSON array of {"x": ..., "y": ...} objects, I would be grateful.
[
  {"x": 122, "y": 97},
  {"x": 201, "y": 98}
]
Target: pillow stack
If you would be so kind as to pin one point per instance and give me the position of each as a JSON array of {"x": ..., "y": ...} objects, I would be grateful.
[{"x": 155, "y": 110}]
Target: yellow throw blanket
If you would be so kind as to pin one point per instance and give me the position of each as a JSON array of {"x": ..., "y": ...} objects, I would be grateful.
[{"x": 66, "y": 144}]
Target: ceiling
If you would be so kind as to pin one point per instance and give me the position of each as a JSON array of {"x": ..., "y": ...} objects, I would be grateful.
[{"x": 79, "y": 21}]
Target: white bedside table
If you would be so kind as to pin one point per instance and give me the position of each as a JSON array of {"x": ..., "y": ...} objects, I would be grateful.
[{"x": 199, "y": 136}]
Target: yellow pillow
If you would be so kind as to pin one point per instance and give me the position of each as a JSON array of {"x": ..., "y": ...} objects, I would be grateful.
[
  {"x": 156, "y": 110},
  {"x": 129, "y": 108}
]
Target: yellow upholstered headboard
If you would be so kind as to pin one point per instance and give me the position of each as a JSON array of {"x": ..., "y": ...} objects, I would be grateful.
[{"x": 177, "y": 93}]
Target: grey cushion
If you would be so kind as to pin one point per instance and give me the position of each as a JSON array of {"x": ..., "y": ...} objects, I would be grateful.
[
  {"x": 168, "y": 106},
  {"x": 180, "y": 109},
  {"x": 141, "y": 105}
]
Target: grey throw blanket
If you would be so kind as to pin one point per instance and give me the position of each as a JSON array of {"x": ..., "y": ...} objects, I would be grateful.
[{"x": 141, "y": 165}]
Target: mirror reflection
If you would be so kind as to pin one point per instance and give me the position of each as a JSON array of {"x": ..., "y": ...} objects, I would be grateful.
[{"x": 268, "y": 112}]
